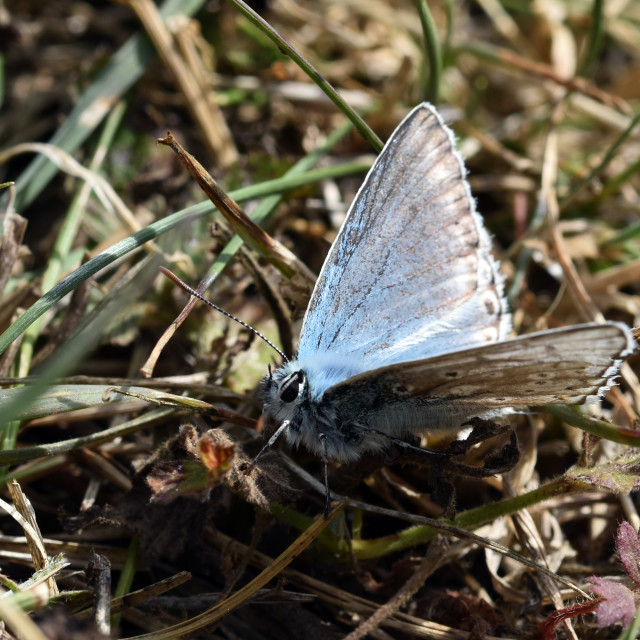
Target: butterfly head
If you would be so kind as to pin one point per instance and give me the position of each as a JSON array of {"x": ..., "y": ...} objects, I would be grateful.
[
  {"x": 295, "y": 395},
  {"x": 285, "y": 393}
]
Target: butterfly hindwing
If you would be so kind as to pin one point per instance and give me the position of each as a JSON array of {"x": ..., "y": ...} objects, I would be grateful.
[{"x": 559, "y": 366}]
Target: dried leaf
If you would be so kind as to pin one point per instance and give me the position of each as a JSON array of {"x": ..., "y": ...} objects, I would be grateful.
[{"x": 194, "y": 478}]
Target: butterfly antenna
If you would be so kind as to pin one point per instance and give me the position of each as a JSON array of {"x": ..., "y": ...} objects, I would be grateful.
[{"x": 183, "y": 285}]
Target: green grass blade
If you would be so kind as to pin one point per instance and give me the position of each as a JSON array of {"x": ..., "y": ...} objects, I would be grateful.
[
  {"x": 123, "y": 71},
  {"x": 367, "y": 133},
  {"x": 432, "y": 49}
]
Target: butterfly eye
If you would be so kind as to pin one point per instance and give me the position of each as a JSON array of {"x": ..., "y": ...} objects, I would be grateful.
[{"x": 291, "y": 387}]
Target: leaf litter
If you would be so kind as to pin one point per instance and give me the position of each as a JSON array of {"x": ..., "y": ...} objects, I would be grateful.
[{"x": 542, "y": 98}]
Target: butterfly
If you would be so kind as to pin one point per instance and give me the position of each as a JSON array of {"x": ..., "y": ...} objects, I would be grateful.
[{"x": 408, "y": 327}]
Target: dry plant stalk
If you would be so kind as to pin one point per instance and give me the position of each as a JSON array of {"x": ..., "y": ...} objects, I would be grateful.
[
  {"x": 35, "y": 541},
  {"x": 256, "y": 237},
  {"x": 204, "y": 111},
  {"x": 434, "y": 556}
]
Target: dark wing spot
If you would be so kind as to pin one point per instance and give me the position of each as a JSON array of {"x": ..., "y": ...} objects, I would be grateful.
[{"x": 401, "y": 389}]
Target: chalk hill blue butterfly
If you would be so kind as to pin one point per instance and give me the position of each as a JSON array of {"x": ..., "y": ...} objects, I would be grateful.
[{"x": 407, "y": 328}]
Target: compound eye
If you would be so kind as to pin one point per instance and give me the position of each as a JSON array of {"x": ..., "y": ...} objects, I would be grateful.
[{"x": 291, "y": 387}]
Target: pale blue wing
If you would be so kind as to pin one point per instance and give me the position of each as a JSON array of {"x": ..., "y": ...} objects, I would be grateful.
[{"x": 410, "y": 274}]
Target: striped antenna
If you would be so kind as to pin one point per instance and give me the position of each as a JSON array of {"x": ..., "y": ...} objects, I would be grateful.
[{"x": 183, "y": 285}]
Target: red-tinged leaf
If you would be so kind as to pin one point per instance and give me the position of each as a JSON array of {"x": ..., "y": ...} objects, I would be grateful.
[
  {"x": 619, "y": 604},
  {"x": 216, "y": 457},
  {"x": 547, "y": 630},
  {"x": 628, "y": 543}
]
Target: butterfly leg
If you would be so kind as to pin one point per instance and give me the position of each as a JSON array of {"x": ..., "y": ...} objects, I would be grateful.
[
  {"x": 272, "y": 440},
  {"x": 406, "y": 445},
  {"x": 325, "y": 464}
]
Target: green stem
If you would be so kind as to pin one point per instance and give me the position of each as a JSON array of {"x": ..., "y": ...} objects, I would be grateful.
[
  {"x": 432, "y": 47},
  {"x": 127, "y": 575},
  {"x": 602, "y": 165},
  {"x": 596, "y": 36},
  {"x": 600, "y": 428},
  {"x": 367, "y": 133},
  {"x": 469, "y": 520}
]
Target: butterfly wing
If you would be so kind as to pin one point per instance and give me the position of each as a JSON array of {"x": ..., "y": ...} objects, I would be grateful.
[
  {"x": 559, "y": 366},
  {"x": 410, "y": 274}
]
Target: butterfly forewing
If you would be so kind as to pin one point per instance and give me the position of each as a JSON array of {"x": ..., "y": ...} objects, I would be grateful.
[
  {"x": 411, "y": 264},
  {"x": 559, "y": 366}
]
